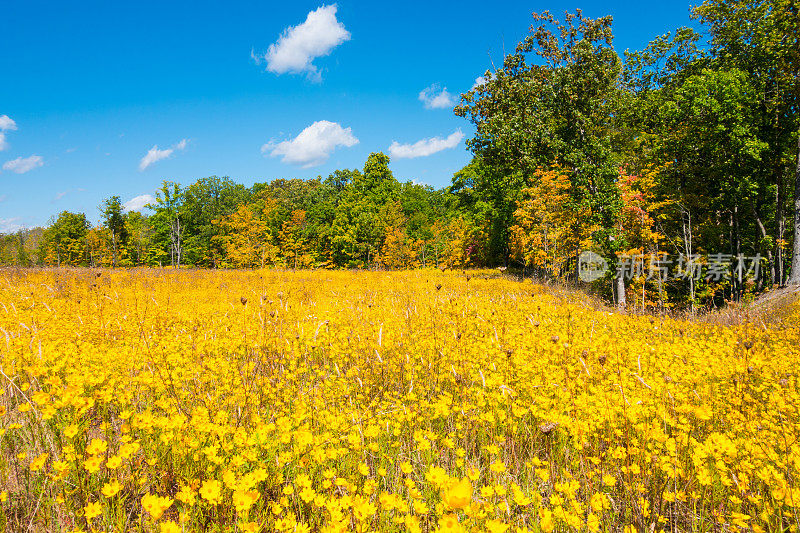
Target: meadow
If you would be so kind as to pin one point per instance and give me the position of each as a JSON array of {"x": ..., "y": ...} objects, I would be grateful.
[{"x": 186, "y": 400}]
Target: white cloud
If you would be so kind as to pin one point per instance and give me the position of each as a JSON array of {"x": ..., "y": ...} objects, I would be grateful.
[
  {"x": 480, "y": 80},
  {"x": 6, "y": 123},
  {"x": 155, "y": 154},
  {"x": 299, "y": 45},
  {"x": 313, "y": 146},
  {"x": 433, "y": 98},
  {"x": 425, "y": 147},
  {"x": 60, "y": 195},
  {"x": 137, "y": 203},
  {"x": 10, "y": 225},
  {"x": 22, "y": 165}
]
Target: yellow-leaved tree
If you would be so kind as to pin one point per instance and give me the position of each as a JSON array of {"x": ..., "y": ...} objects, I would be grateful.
[
  {"x": 294, "y": 241},
  {"x": 396, "y": 250},
  {"x": 247, "y": 238},
  {"x": 466, "y": 243},
  {"x": 549, "y": 229}
]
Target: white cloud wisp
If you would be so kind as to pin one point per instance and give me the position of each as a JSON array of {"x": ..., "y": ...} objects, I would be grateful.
[
  {"x": 6, "y": 123},
  {"x": 155, "y": 154},
  {"x": 21, "y": 165},
  {"x": 425, "y": 147}
]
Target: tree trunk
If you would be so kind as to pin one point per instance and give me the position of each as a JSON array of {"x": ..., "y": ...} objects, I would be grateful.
[
  {"x": 772, "y": 266},
  {"x": 780, "y": 225},
  {"x": 686, "y": 219},
  {"x": 737, "y": 252},
  {"x": 577, "y": 264},
  {"x": 794, "y": 278},
  {"x": 175, "y": 239},
  {"x": 620, "y": 289}
]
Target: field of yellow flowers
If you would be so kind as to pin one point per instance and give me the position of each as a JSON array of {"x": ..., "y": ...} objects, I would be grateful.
[{"x": 167, "y": 401}]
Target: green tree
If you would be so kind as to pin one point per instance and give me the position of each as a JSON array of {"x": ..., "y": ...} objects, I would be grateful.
[
  {"x": 204, "y": 201},
  {"x": 358, "y": 228},
  {"x": 64, "y": 240},
  {"x": 18, "y": 248},
  {"x": 490, "y": 195},
  {"x": 762, "y": 39},
  {"x": 559, "y": 111},
  {"x": 140, "y": 234},
  {"x": 167, "y": 221},
  {"x": 114, "y": 221}
]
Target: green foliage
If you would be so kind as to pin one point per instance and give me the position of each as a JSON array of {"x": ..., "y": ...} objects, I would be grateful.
[
  {"x": 64, "y": 241},
  {"x": 553, "y": 104},
  {"x": 204, "y": 201},
  {"x": 20, "y": 247},
  {"x": 114, "y": 221},
  {"x": 168, "y": 224}
]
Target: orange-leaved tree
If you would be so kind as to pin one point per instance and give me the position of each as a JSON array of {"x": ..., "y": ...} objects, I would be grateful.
[{"x": 636, "y": 226}]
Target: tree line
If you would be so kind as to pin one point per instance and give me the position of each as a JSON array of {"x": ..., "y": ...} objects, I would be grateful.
[
  {"x": 684, "y": 150},
  {"x": 358, "y": 218}
]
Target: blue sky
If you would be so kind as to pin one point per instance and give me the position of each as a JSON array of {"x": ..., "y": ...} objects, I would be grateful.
[{"x": 103, "y": 98}]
